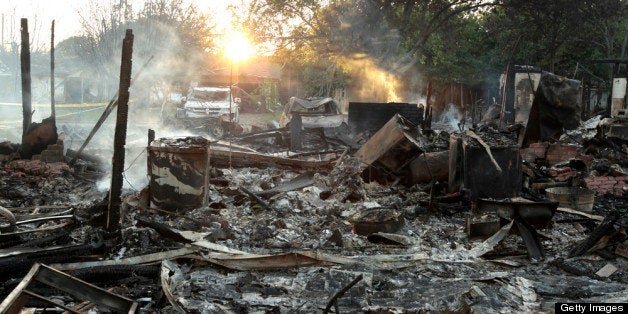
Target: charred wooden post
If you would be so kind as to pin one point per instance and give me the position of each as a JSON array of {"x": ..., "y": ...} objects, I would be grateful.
[
  {"x": 115, "y": 191},
  {"x": 52, "y": 71},
  {"x": 507, "y": 116},
  {"x": 151, "y": 138},
  {"x": 296, "y": 125},
  {"x": 25, "y": 62},
  {"x": 425, "y": 124}
]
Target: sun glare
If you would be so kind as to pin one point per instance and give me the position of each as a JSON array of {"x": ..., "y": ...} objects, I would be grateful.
[{"x": 238, "y": 47}]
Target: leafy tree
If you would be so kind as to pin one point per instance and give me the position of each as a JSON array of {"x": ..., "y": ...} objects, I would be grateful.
[{"x": 176, "y": 34}]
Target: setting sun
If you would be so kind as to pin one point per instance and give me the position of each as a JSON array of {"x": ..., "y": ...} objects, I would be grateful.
[{"x": 237, "y": 47}]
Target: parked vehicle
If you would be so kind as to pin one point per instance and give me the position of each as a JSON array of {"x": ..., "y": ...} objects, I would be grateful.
[
  {"x": 209, "y": 109},
  {"x": 314, "y": 112}
]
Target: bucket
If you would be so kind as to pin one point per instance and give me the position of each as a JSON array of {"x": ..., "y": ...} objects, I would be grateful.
[{"x": 573, "y": 197}]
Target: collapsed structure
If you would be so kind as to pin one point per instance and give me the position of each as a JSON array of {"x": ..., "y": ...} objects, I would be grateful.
[{"x": 498, "y": 218}]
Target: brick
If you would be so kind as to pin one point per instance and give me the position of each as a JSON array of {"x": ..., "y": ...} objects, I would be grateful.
[{"x": 557, "y": 152}]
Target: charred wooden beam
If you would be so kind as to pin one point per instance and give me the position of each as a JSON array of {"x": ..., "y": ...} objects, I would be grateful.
[
  {"x": 18, "y": 264},
  {"x": 531, "y": 239},
  {"x": 162, "y": 229},
  {"x": 256, "y": 198},
  {"x": 111, "y": 273},
  {"x": 605, "y": 227},
  {"x": 339, "y": 294},
  {"x": 574, "y": 268},
  {"x": 77, "y": 288},
  {"x": 115, "y": 191}
]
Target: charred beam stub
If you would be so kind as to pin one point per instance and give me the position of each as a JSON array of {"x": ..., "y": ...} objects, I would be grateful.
[{"x": 115, "y": 191}]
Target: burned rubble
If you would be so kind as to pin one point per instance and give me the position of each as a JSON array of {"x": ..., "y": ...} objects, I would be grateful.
[
  {"x": 284, "y": 239},
  {"x": 405, "y": 219}
]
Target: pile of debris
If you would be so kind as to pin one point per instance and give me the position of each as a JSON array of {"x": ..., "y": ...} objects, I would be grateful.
[{"x": 412, "y": 220}]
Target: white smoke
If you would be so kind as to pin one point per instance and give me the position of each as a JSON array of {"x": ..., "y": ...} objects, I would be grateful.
[{"x": 451, "y": 118}]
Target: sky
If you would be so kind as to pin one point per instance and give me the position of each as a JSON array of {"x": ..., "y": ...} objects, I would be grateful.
[{"x": 40, "y": 14}]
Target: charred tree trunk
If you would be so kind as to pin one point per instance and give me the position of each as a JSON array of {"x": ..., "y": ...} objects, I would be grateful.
[
  {"x": 115, "y": 191},
  {"x": 25, "y": 62}
]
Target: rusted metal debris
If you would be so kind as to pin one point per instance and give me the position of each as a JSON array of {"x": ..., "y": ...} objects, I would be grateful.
[
  {"x": 377, "y": 220},
  {"x": 538, "y": 214},
  {"x": 469, "y": 167},
  {"x": 177, "y": 167},
  {"x": 482, "y": 225}
]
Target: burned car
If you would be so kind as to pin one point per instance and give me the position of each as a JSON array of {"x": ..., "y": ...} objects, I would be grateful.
[
  {"x": 209, "y": 109},
  {"x": 315, "y": 113}
]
